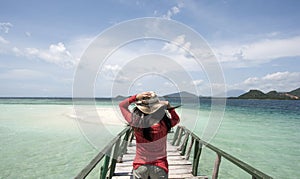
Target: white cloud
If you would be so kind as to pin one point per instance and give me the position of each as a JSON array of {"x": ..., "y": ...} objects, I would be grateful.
[
  {"x": 4, "y": 41},
  {"x": 273, "y": 34},
  {"x": 279, "y": 76},
  {"x": 5, "y": 27},
  {"x": 279, "y": 81},
  {"x": 78, "y": 45},
  {"x": 61, "y": 54},
  {"x": 197, "y": 82},
  {"x": 168, "y": 84},
  {"x": 272, "y": 49},
  {"x": 28, "y": 34},
  {"x": 5, "y": 45},
  {"x": 111, "y": 70},
  {"x": 259, "y": 52},
  {"x": 32, "y": 51},
  {"x": 22, "y": 74},
  {"x": 178, "y": 45},
  {"x": 112, "y": 73},
  {"x": 56, "y": 54},
  {"x": 180, "y": 50},
  {"x": 173, "y": 11}
]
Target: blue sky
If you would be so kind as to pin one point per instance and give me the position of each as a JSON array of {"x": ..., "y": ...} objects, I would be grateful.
[{"x": 41, "y": 42}]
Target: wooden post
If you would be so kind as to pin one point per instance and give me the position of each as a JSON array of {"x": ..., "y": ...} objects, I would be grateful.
[
  {"x": 197, "y": 153},
  {"x": 179, "y": 137},
  {"x": 131, "y": 138},
  {"x": 188, "y": 153},
  {"x": 114, "y": 158},
  {"x": 184, "y": 143},
  {"x": 104, "y": 167},
  {"x": 216, "y": 167},
  {"x": 123, "y": 146},
  {"x": 175, "y": 135}
]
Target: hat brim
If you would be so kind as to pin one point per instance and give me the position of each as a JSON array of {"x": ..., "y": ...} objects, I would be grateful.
[
  {"x": 149, "y": 109},
  {"x": 174, "y": 107}
]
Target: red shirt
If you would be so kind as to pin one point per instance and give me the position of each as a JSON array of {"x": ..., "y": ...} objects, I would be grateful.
[{"x": 150, "y": 152}]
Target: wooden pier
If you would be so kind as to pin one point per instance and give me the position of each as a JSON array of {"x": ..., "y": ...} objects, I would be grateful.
[
  {"x": 115, "y": 159},
  {"x": 179, "y": 166}
]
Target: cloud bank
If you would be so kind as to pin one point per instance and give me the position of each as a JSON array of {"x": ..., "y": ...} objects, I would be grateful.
[
  {"x": 5, "y": 27},
  {"x": 259, "y": 52},
  {"x": 56, "y": 54},
  {"x": 279, "y": 81}
]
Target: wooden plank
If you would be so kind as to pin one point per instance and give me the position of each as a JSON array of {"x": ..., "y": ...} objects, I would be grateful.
[
  {"x": 123, "y": 169},
  {"x": 127, "y": 163},
  {"x": 175, "y": 157},
  {"x": 175, "y": 167},
  {"x": 127, "y": 159},
  {"x": 178, "y": 166},
  {"x": 183, "y": 162},
  {"x": 121, "y": 177},
  {"x": 180, "y": 171},
  {"x": 185, "y": 176},
  {"x": 181, "y": 176}
]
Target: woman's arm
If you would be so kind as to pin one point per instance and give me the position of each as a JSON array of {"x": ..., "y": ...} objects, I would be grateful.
[
  {"x": 174, "y": 117},
  {"x": 125, "y": 103},
  {"x": 124, "y": 107}
]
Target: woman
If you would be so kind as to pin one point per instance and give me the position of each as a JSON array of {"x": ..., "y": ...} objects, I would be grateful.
[{"x": 151, "y": 125}]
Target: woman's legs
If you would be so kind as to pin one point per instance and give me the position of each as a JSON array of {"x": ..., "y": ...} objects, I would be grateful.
[
  {"x": 141, "y": 172},
  {"x": 149, "y": 171}
]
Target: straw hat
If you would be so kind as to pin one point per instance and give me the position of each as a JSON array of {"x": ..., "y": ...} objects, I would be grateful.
[{"x": 150, "y": 105}]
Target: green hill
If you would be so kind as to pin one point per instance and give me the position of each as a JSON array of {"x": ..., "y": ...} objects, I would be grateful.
[
  {"x": 253, "y": 94},
  {"x": 182, "y": 94},
  {"x": 256, "y": 94},
  {"x": 276, "y": 95},
  {"x": 295, "y": 92}
]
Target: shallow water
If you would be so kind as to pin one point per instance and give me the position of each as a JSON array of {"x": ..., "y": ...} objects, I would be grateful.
[
  {"x": 264, "y": 134},
  {"x": 41, "y": 139}
]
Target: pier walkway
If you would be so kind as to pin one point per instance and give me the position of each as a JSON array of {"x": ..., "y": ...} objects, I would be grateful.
[
  {"x": 179, "y": 167},
  {"x": 183, "y": 154}
]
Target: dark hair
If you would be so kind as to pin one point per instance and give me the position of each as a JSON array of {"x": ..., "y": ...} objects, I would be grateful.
[{"x": 140, "y": 121}]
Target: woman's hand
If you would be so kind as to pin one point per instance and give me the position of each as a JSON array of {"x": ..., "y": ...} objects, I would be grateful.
[
  {"x": 143, "y": 95},
  {"x": 166, "y": 103}
]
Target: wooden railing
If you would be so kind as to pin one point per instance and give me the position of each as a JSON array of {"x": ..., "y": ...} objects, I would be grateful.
[
  {"x": 110, "y": 154},
  {"x": 198, "y": 145},
  {"x": 113, "y": 152}
]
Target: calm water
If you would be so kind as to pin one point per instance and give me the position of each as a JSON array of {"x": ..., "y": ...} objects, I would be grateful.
[{"x": 41, "y": 139}]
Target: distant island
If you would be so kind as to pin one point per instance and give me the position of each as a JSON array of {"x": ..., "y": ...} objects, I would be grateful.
[
  {"x": 182, "y": 94},
  {"x": 190, "y": 97},
  {"x": 251, "y": 94},
  {"x": 256, "y": 94}
]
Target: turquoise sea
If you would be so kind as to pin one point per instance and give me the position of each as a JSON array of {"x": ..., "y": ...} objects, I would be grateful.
[{"x": 40, "y": 138}]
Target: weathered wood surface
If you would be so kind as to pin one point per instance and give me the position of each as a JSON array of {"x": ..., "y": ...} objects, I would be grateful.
[{"x": 178, "y": 166}]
